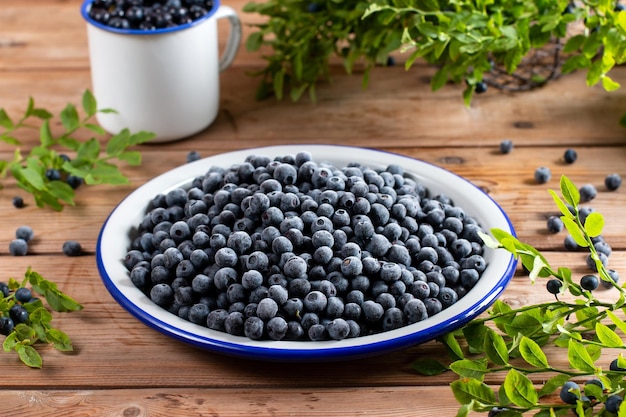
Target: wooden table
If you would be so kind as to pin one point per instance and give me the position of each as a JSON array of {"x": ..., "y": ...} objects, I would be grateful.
[{"x": 120, "y": 367}]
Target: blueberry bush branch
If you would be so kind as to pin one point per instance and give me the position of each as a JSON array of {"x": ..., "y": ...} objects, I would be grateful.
[
  {"x": 25, "y": 320},
  {"x": 508, "y": 342},
  {"x": 50, "y": 175}
]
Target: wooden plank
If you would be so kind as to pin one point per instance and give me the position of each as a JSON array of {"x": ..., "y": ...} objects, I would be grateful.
[{"x": 190, "y": 402}]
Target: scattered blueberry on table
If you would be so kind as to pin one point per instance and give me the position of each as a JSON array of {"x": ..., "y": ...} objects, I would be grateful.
[
  {"x": 72, "y": 248},
  {"x": 542, "y": 175},
  {"x": 613, "y": 181},
  {"x": 570, "y": 156},
  {"x": 148, "y": 14},
  {"x": 506, "y": 146},
  {"x": 18, "y": 202}
]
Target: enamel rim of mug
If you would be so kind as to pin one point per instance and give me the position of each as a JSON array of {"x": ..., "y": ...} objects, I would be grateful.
[{"x": 87, "y": 6}]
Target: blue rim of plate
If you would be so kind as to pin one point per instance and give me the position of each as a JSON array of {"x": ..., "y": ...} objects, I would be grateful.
[
  {"x": 139, "y": 305},
  {"x": 86, "y": 6}
]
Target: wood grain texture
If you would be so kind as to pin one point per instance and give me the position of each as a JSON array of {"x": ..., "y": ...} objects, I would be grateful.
[{"x": 121, "y": 367}]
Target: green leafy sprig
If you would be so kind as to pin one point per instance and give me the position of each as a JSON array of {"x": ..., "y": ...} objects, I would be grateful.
[
  {"x": 508, "y": 342},
  {"x": 37, "y": 328},
  {"x": 91, "y": 162},
  {"x": 465, "y": 39},
  {"x": 305, "y": 35}
]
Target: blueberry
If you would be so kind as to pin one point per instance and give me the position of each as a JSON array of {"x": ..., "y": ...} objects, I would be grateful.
[
  {"x": 74, "y": 181},
  {"x": 266, "y": 309},
  {"x": 198, "y": 314},
  {"x": 276, "y": 328},
  {"x": 587, "y": 193},
  {"x": 24, "y": 232},
  {"x": 4, "y": 289},
  {"x": 18, "y": 202},
  {"x": 193, "y": 156},
  {"x": 506, "y": 146},
  {"x": 568, "y": 392},
  {"x": 415, "y": 310},
  {"x": 614, "y": 366},
  {"x": 480, "y": 87},
  {"x": 295, "y": 267},
  {"x": 554, "y": 286},
  {"x": 613, "y": 403},
  {"x": 393, "y": 318},
  {"x": 235, "y": 322},
  {"x": 589, "y": 282},
  {"x": 542, "y": 175},
  {"x": 570, "y": 156},
  {"x": 162, "y": 294},
  {"x": 18, "y": 247},
  {"x": 570, "y": 244},
  {"x": 338, "y": 329},
  {"x": 23, "y": 295},
  {"x": 554, "y": 224},
  {"x": 6, "y": 325},
  {"x": 18, "y": 314},
  {"x": 53, "y": 174},
  {"x": 613, "y": 181},
  {"x": 72, "y": 248}
]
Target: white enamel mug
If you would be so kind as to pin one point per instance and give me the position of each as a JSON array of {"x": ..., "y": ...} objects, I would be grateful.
[{"x": 164, "y": 81}]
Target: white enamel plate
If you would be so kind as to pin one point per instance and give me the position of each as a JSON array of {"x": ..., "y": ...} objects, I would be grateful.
[{"x": 114, "y": 241}]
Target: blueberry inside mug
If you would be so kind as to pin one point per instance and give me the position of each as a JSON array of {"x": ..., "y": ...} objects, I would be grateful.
[{"x": 159, "y": 79}]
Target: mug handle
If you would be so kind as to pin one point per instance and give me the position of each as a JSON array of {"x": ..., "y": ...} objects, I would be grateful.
[{"x": 234, "y": 37}]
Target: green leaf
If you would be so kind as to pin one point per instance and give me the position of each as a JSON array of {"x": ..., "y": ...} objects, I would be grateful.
[
  {"x": 62, "y": 191},
  {"x": 118, "y": 143},
  {"x": 519, "y": 389},
  {"x": 29, "y": 356},
  {"x": 573, "y": 44},
  {"x": 579, "y": 358},
  {"x": 141, "y": 137},
  {"x": 574, "y": 230},
  {"x": 428, "y": 366},
  {"x": 45, "y": 134},
  {"x": 41, "y": 315},
  {"x": 59, "y": 340},
  {"x": 607, "y": 336},
  {"x": 467, "y": 368},
  {"x": 105, "y": 173},
  {"x": 495, "y": 348},
  {"x": 453, "y": 346},
  {"x": 617, "y": 321},
  {"x": 89, "y": 150},
  {"x": 439, "y": 79},
  {"x": 608, "y": 84},
  {"x": 594, "y": 223},
  {"x": 131, "y": 157},
  {"x": 254, "y": 41},
  {"x": 532, "y": 353},
  {"x": 569, "y": 191},
  {"x": 466, "y": 390},
  {"x": 552, "y": 384},
  {"x": 5, "y": 120},
  {"x": 69, "y": 118},
  {"x": 9, "y": 342},
  {"x": 475, "y": 334},
  {"x": 89, "y": 103},
  {"x": 95, "y": 128},
  {"x": 561, "y": 205}
]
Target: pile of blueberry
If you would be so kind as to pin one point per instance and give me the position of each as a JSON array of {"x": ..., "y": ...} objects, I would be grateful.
[
  {"x": 288, "y": 248},
  {"x": 148, "y": 14}
]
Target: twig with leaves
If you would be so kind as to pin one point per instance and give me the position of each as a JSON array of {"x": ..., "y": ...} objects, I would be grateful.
[
  {"x": 26, "y": 321},
  {"x": 495, "y": 343},
  {"x": 52, "y": 176}
]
